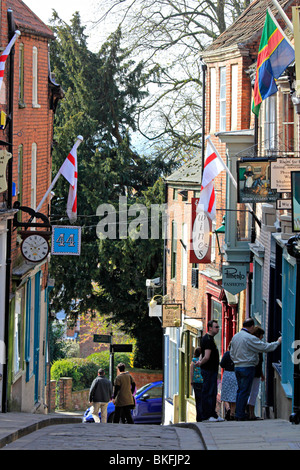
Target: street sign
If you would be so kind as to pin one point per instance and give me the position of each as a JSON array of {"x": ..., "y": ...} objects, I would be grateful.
[
  {"x": 120, "y": 348},
  {"x": 102, "y": 338},
  {"x": 66, "y": 240}
]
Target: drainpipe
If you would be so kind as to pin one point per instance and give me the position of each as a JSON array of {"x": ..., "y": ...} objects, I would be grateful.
[
  {"x": 204, "y": 68},
  {"x": 11, "y": 28}
]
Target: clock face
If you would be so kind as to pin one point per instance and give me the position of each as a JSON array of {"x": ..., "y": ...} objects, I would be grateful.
[
  {"x": 201, "y": 233},
  {"x": 35, "y": 248}
]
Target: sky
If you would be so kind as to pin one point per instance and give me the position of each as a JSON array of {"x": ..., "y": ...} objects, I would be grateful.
[{"x": 65, "y": 9}]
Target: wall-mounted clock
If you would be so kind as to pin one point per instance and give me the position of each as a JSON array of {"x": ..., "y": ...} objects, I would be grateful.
[{"x": 35, "y": 247}]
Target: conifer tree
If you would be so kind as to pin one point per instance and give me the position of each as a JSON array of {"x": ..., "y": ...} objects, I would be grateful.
[{"x": 102, "y": 91}]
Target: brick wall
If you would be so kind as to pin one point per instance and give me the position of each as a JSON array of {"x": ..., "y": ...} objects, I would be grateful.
[{"x": 61, "y": 393}]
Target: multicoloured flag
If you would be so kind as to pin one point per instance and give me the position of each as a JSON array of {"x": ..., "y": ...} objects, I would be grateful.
[
  {"x": 275, "y": 54},
  {"x": 212, "y": 167},
  {"x": 6, "y": 53},
  {"x": 70, "y": 171}
]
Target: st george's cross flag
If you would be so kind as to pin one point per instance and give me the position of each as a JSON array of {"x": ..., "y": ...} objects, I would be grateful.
[
  {"x": 6, "y": 53},
  {"x": 69, "y": 170},
  {"x": 275, "y": 54},
  {"x": 213, "y": 165}
]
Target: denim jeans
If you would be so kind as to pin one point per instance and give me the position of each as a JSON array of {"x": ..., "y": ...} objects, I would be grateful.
[
  {"x": 209, "y": 393},
  {"x": 244, "y": 377},
  {"x": 198, "y": 398}
]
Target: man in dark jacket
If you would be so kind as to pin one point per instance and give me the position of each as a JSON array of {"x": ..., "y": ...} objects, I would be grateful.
[{"x": 100, "y": 394}]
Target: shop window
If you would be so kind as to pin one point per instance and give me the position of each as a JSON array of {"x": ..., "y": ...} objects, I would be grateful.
[
  {"x": 29, "y": 331},
  {"x": 257, "y": 285},
  {"x": 289, "y": 286},
  {"x": 18, "y": 331},
  {"x": 193, "y": 343},
  {"x": 173, "y": 364},
  {"x": 216, "y": 314}
]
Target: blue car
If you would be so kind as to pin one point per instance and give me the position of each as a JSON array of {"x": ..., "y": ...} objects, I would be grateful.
[{"x": 148, "y": 409}]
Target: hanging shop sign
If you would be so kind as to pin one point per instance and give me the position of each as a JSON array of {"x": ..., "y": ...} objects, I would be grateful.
[
  {"x": 281, "y": 173},
  {"x": 234, "y": 277},
  {"x": 200, "y": 244},
  {"x": 295, "y": 187},
  {"x": 171, "y": 315},
  {"x": 66, "y": 240},
  {"x": 254, "y": 181},
  {"x": 4, "y": 157}
]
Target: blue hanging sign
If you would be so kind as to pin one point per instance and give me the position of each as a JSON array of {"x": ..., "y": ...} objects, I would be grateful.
[{"x": 66, "y": 240}]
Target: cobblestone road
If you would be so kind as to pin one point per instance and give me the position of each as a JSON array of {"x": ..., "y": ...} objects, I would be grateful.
[{"x": 119, "y": 437}]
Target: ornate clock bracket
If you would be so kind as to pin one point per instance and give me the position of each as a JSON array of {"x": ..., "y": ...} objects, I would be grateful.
[{"x": 28, "y": 225}]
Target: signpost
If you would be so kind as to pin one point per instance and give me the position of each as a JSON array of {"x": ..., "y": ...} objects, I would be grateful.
[{"x": 126, "y": 348}]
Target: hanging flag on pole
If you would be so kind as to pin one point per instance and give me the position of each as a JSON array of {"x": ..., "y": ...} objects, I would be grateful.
[
  {"x": 70, "y": 172},
  {"x": 213, "y": 165},
  {"x": 275, "y": 54},
  {"x": 6, "y": 53}
]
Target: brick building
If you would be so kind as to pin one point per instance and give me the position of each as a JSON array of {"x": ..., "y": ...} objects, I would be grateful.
[
  {"x": 250, "y": 243},
  {"x": 28, "y": 96}
]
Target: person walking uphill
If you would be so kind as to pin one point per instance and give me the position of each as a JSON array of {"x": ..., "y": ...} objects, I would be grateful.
[
  {"x": 209, "y": 369},
  {"x": 123, "y": 395},
  {"x": 100, "y": 394},
  {"x": 244, "y": 353}
]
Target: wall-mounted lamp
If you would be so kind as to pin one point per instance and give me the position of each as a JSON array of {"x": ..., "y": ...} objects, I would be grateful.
[{"x": 220, "y": 236}]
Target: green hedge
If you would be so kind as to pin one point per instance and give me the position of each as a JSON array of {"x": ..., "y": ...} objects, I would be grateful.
[{"x": 83, "y": 371}]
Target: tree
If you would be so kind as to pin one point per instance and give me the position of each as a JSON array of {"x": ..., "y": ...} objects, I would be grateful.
[
  {"x": 102, "y": 92},
  {"x": 171, "y": 35}
]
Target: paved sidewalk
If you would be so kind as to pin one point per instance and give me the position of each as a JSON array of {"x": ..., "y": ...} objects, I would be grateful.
[
  {"x": 272, "y": 434},
  {"x": 267, "y": 434}
]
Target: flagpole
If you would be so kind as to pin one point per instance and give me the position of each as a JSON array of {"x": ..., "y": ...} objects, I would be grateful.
[
  {"x": 247, "y": 204},
  {"x": 225, "y": 166},
  {"x": 77, "y": 143},
  {"x": 283, "y": 15}
]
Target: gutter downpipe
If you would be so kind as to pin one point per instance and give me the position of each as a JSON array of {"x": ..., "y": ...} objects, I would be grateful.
[{"x": 204, "y": 68}]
